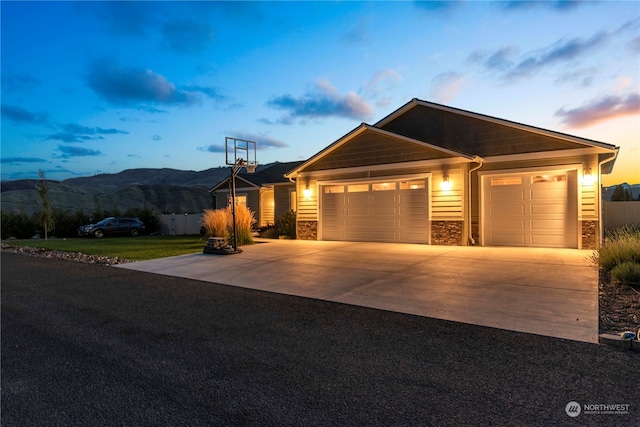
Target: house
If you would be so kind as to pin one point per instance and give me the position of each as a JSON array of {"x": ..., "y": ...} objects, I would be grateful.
[
  {"x": 267, "y": 193},
  {"x": 428, "y": 173}
]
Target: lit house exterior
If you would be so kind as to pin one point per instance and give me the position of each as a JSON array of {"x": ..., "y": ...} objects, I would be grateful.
[{"x": 432, "y": 174}]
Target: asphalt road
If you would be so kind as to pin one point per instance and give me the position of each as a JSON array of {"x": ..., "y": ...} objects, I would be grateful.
[{"x": 96, "y": 345}]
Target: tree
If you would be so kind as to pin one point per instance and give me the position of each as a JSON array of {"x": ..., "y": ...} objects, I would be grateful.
[
  {"x": 45, "y": 214},
  {"x": 621, "y": 194}
]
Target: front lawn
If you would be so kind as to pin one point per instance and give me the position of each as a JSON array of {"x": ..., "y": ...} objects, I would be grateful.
[{"x": 134, "y": 248}]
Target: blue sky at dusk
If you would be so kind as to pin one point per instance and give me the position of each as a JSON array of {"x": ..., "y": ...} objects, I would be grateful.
[{"x": 99, "y": 87}]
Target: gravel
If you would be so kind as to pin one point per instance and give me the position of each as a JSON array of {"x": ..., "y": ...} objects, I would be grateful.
[{"x": 67, "y": 256}]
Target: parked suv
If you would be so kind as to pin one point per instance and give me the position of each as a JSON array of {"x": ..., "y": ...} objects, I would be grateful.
[{"x": 112, "y": 226}]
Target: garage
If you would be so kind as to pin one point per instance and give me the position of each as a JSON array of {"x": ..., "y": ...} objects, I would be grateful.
[
  {"x": 389, "y": 211},
  {"x": 536, "y": 209}
]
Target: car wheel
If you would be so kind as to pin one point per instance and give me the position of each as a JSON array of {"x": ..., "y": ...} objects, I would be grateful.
[
  {"x": 134, "y": 232},
  {"x": 98, "y": 233}
]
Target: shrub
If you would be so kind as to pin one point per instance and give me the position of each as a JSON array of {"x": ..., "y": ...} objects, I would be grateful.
[
  {"x": 619, "y": 246},
  {"x": 216, "y": 222},
  {"x": 287, "y": 224},
  {"x": 244, "y": 224},
  {"x": 19, "y": 225},
  {"x": 627, "y": 272}
]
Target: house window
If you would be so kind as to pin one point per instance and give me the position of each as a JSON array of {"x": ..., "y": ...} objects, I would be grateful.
[
  {"x": 334, "y": 189},
  {"x": 240, "y": 200},
  {"x": 384, "y": 186},
  {"x": 507, "y": 180},
  {"x": 548, "y": 178},
  {"x": 357, "y": 188},
  {"x": 412, "y": 185}
]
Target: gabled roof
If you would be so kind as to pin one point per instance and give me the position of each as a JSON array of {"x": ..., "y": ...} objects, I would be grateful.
[
  {"x": 271, "y": 174},
  {"x": 484, "y": 135},
  {"x": 364, "y": 129}
]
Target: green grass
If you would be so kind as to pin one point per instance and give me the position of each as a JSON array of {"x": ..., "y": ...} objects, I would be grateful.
[{"x": 135, "y": 248}]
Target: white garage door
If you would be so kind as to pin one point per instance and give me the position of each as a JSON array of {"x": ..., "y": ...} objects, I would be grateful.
[
  {"x": 531, "y": 209},
  {"x": 376, "y": 211}
]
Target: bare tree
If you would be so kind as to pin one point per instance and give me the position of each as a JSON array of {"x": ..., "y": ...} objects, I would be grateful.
[{"x": 45, "y": 214}]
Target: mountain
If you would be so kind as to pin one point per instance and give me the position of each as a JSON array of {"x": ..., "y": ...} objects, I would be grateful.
[
  {"x": 607, "y": 192},
  {"x": 163, "y": 190}
]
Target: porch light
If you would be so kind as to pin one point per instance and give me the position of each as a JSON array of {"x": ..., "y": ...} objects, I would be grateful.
[
  {"x": 307, "y": 193},
  {"x": 445, "y": 185},
  {"x": 587, "y": 178}
]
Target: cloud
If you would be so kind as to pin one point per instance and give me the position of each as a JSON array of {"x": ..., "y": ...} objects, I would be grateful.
[
  {"x": 69, "y": 151},
  {"x": 438, "y": 6},
  {"x": 77, "y": 133},
  {"x": 209, "y": 91},
  {"x": 20, "y": 115},
  {"x": 382, "y": 81},
  {"x": 559, "y": 52},
  {"x": 445, "y": 86},
  {"x": 188, "y": 35},
  {"x": 323, "y": 100},
  {"x": 583, "y": 78},
  {"x": 504, "y": 61},
  {"x": 262, "y": 140},
  {"x": 127, "y": 86},
  {"x": 605, "y": 108},
  {"x": 561, "y": 5},
  {"x": 19, "y": 82},
  {"x": 156, "y": 138},
  {"x": 18, "y": 160},
  {"x": 357, "y": 34},
  {"x": 213, "y": 148}
]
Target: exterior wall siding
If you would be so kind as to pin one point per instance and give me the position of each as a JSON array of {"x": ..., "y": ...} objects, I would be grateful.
[{"x": 267, "y": 207}]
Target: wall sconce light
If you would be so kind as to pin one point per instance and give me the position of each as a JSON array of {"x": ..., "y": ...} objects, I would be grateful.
[
  {"x": 587, "y": 178},
  {"x": 445, "y": 185},
  {"x": 307, "y": 193}
]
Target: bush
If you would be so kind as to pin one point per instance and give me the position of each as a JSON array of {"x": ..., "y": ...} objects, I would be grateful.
[
  {"x": 287, "y": 224},
  {"x": 219, "y": 223},
  {"x": 244, "y": 224},
  {"x": 215, "y": 222},
  {"x": 627, "y": 272},
  {"x": 18, "y": 225},
  {"x": 619, "y": 246}
]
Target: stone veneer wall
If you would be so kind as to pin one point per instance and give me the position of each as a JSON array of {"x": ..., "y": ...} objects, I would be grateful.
[
  {"x": 307, "y": 230},
  {"x": 589, "y": 232},
  {"x": 448, "y": 233}
]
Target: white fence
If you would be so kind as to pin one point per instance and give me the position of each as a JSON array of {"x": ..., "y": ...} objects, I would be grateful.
[
  {"x": 179, "y": 224},
  {"x": 619, "y": 214}
]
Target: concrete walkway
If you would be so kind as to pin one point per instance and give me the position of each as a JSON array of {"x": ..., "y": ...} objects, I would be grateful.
[{"x": 551, "y": 292}]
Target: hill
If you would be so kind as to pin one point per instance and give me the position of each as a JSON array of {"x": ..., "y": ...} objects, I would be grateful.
[{"x": 163, "y": 190}]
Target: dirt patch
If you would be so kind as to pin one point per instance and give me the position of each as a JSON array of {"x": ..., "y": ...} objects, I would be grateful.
[{"x": 619, "y": 306}]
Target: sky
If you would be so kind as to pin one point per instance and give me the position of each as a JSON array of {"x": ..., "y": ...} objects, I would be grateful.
[{"x": 100, "y": 87}]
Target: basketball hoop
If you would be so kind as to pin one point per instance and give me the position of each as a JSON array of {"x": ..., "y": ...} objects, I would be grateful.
[{"x": 250, "y": 167}]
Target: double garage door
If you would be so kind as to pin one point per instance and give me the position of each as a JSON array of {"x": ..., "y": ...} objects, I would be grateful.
[
  {"x": 531, "y": 209},
  {"x": 376, "y": 211}
]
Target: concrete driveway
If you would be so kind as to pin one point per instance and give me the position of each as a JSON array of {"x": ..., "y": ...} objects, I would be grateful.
[{"x": 551, "y": 292}]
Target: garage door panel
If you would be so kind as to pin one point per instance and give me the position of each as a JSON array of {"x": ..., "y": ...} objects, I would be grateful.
[
  {"x": 506, "y": 195},
  {"x": 507, "y": 210},
  {"x": 550, "y": 209},
  {"x": 549, "y": 194},
  {"x": 551, "y": 225},
  {"x": 507, "y": 239}
]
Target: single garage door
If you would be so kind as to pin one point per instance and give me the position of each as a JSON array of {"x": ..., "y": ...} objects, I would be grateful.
[
  {"x": 531, "y": 209},
  {"x": 376, "y": 211}
]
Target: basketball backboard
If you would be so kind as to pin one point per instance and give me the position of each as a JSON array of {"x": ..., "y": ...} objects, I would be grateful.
[{"x": 241, "y": 150}]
